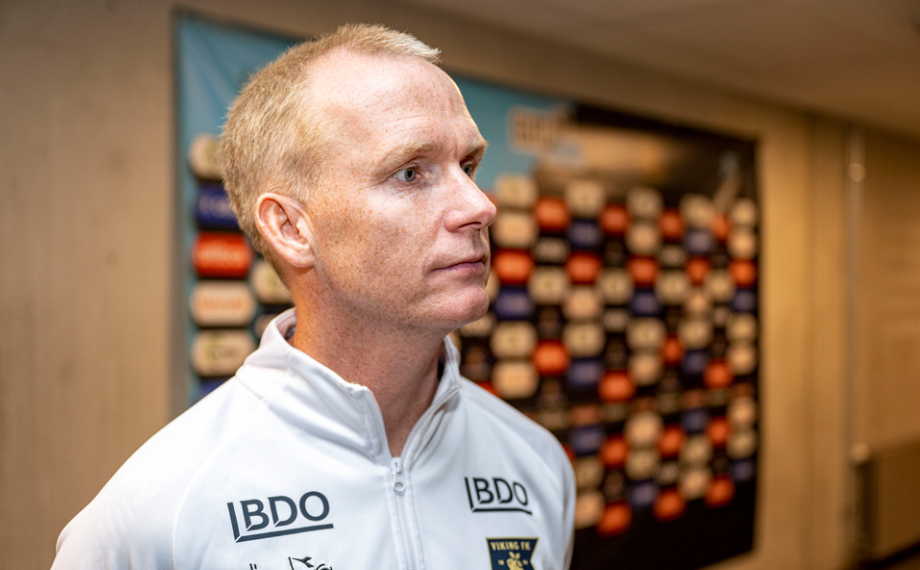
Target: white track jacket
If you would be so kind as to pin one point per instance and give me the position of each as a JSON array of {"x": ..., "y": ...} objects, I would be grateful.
[{"x": 286, "y": 467}]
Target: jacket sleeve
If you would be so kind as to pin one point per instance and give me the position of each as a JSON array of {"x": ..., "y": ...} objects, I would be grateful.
[
  {"x": 568, "y": 509},
  {"x": 110, "y": 535}
]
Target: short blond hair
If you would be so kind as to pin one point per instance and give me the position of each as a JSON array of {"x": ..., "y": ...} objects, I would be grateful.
[{"x": 271, "y": 142}]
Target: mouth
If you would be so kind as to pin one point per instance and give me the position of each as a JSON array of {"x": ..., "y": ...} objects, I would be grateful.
[
  {"x": 472, "y": 259},
  {"x": 472, "y": 263}
]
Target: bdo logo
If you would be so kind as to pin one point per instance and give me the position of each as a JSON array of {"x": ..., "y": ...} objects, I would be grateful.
[
  {"x": 496, "y": 495},
  {"x": 281, "y": 513}
]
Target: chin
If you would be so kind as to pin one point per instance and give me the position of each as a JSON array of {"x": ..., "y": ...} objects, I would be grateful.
[
  {"x": 462, "y": 311},
  {"x": 474, "y": 316}
]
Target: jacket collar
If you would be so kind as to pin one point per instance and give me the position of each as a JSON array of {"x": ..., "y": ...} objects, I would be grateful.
[{"x": 313, "y": 398}]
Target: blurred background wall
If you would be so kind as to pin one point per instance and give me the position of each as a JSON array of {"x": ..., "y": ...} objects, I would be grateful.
[{"x": 88, "y": 265}]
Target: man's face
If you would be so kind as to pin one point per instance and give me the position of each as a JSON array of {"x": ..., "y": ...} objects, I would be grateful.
[{"x": 400, "y": 228}]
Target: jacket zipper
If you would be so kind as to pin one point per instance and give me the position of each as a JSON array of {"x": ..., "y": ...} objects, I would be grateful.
[
  {"x": 398, "y": 468},
  {"x": 399, "y": 488}
]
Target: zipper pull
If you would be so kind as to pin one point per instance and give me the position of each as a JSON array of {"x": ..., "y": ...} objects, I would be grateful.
[{"x": 399, "y": 480}]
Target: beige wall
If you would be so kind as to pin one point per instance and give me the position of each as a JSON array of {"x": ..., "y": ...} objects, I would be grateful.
[
  {"x": 888, "y": 332},
  {"x": 84, "y": 222},
  {"x": 86, "y": 226}
]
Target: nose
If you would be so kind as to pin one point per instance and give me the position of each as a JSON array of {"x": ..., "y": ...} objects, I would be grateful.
[{"x": 470, "y": 207}]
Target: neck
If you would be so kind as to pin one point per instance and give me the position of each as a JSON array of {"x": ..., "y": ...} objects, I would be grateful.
[{"x": 399, "y": 366}]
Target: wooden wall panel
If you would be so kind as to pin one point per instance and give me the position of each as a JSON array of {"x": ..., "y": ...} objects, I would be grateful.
[
  {"x": 888, "y": 409},
  {"x": 86, "y": 189}
]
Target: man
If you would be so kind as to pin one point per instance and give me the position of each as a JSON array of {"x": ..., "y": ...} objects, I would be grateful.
[{"x": 348, "y": 440}]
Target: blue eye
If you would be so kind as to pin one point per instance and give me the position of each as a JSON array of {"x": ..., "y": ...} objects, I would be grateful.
[
  {"x": 469, "y": 169},
  {"x": 407, "y": 174}
]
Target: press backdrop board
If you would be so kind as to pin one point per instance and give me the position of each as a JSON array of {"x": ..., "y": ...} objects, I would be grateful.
[{"x": 624, "y": 288}]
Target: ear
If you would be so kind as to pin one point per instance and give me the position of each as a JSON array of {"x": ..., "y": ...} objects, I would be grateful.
[{"x": 285, "y": 225}]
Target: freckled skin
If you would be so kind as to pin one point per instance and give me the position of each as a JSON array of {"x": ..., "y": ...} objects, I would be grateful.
[
  {"x": 380, "y": 243},
  {"x": 397, "y": 229}
]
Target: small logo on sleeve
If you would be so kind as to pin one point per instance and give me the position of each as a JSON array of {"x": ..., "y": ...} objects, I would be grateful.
[
  {"x": 278, "y": 516},
  {"x": 511, "y": 553},
  {"x": 496, "y": 495}
]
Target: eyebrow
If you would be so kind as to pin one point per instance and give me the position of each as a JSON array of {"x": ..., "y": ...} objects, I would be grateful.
[
  {"x": 477, "y": 147},
  {"x": 404, "y": 153}
]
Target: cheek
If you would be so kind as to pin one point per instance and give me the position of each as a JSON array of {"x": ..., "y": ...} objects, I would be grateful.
[
  {"x": 394, "y": 242},
  {"x": 361, "y": 238}
]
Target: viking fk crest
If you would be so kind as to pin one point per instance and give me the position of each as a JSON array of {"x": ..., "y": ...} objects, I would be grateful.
[{"x": 511, "y": 553}]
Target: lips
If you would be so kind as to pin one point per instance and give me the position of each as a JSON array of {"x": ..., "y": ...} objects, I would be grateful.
[{"x": 476, "y": 260}]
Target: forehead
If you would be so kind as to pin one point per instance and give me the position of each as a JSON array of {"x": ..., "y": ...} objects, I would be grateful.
[{"x": 368, "y": 95}]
